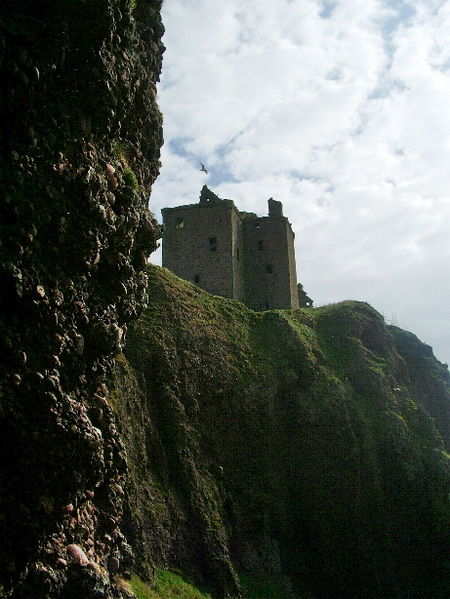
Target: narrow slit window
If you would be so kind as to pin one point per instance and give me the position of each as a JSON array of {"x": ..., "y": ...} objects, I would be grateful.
[
  {"x": 196, "y": 278},
  {"x": 260, "y": 244},
  {"x": 237, "y": 254},
  {"x": 213, "y": 244},
  {"x": 179, "y": 223},
  {"x": 269, "y": 268}
]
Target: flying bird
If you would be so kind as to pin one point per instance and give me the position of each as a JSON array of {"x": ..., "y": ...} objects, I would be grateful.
[{"x": 203, "y": 168}]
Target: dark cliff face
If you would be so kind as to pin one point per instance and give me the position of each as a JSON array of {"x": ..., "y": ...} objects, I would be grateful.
[
  {"x": 79, "y": 153},
  {"x": 289, "y": 447},
  {"x": 295, "y": 448},
  {"x": 429, "y": 379}
]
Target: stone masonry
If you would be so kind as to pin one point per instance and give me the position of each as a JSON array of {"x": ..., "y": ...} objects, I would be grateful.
[{"x": 231, "y": 253}]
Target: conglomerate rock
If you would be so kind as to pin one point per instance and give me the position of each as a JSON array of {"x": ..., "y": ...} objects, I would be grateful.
[{"x": 79, "y": 153}]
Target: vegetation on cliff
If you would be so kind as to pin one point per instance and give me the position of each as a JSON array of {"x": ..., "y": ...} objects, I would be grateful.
[
  {"x": 279, "y": 454},
  {"x": 288, "y": 448}
]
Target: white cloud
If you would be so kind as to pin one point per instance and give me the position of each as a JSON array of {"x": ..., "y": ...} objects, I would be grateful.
[{"x": 341, "y": 110}]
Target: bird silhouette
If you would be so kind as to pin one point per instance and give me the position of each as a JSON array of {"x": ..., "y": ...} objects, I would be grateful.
[{"x": 203, "y": 168}]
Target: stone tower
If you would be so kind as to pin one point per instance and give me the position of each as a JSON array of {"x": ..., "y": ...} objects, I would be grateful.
[{"x": 230, "y": 253}]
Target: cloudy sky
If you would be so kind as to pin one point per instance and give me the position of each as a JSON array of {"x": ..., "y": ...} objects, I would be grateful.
[{"x": 339, "y": 109}]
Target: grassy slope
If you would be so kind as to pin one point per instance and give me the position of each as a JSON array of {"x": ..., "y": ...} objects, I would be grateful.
[
  {"x": 290, "y": 446},
  {"x": 167, "y": 585}
]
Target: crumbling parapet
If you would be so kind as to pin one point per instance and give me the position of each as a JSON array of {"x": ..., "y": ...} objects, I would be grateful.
[{"x": 304, "y": 301}]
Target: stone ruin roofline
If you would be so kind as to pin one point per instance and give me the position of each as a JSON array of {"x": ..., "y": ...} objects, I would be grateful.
[
  {"x": 224, "y": 202},
  {"x": 243, "y": 215},
  {"x": 209, "y": 198}
]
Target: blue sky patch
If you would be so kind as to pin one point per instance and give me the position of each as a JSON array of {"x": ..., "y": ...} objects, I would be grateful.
[
  {"x": 404, "y": 11},
  {"x": 178, "y": 145},
  {"x": 328, "y": 7}
]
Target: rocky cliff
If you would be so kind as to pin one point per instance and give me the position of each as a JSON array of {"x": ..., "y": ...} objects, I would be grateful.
[
  {"x": 299, "y": 452},
  {"x": 79, "y": 152},
  {"x": 291, "y": 447}
]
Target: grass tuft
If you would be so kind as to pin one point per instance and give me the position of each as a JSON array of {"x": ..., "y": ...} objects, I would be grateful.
[
  {"x": 129, "y": 178},
  {"x": 167, "y": 585}
]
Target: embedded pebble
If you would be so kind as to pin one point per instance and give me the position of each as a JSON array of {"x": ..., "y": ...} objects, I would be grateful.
[
  {"x": 77, "y": 553},
  {"x": 114, "y": 564}
]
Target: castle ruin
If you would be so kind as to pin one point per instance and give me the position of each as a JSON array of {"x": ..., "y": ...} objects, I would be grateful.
[{"x": 233, "y": 254}]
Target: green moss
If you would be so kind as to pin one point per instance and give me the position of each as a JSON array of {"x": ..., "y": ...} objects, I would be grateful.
[
  {"x": 132, "y": 5},
  {"x": 257, "y": 589},
  {"x": 299, "y": 426},
  {"x": 124, "y": 151},
  {"x": 167, "y": 585},
  {"x": 141, "y": 589},
  {"x": 129, "y": 178}
]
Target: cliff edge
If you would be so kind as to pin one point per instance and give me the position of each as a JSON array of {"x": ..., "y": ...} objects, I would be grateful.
[{"x": 289, "y": 447}]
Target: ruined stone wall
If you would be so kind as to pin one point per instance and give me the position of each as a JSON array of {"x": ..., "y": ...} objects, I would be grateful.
[
  {"x": 233, "y": 254},
  {"x": 291, "y": 265},
  {"x": 270, "y": 274},
  {"x": 78, "y": 157},
  {"x": 238, "y": 256},
  {"x": 198, "y": 245}
]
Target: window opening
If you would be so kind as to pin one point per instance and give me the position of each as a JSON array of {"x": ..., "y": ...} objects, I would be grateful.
[
  {"x": 237, "y": 254},
  {"x": 260, "y": 244},
  {"x": 179, "y": 223},
  {"x": 196, "y": 278},
  {"x": 269, "y": 268},
  {"x": 213, "y": 244}
]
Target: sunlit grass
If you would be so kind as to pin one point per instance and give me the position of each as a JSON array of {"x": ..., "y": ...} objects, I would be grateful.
[{"x": 167, "y": 585}]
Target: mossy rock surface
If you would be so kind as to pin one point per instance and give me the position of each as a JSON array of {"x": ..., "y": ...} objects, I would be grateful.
[{"x": 294, "y": 447}]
